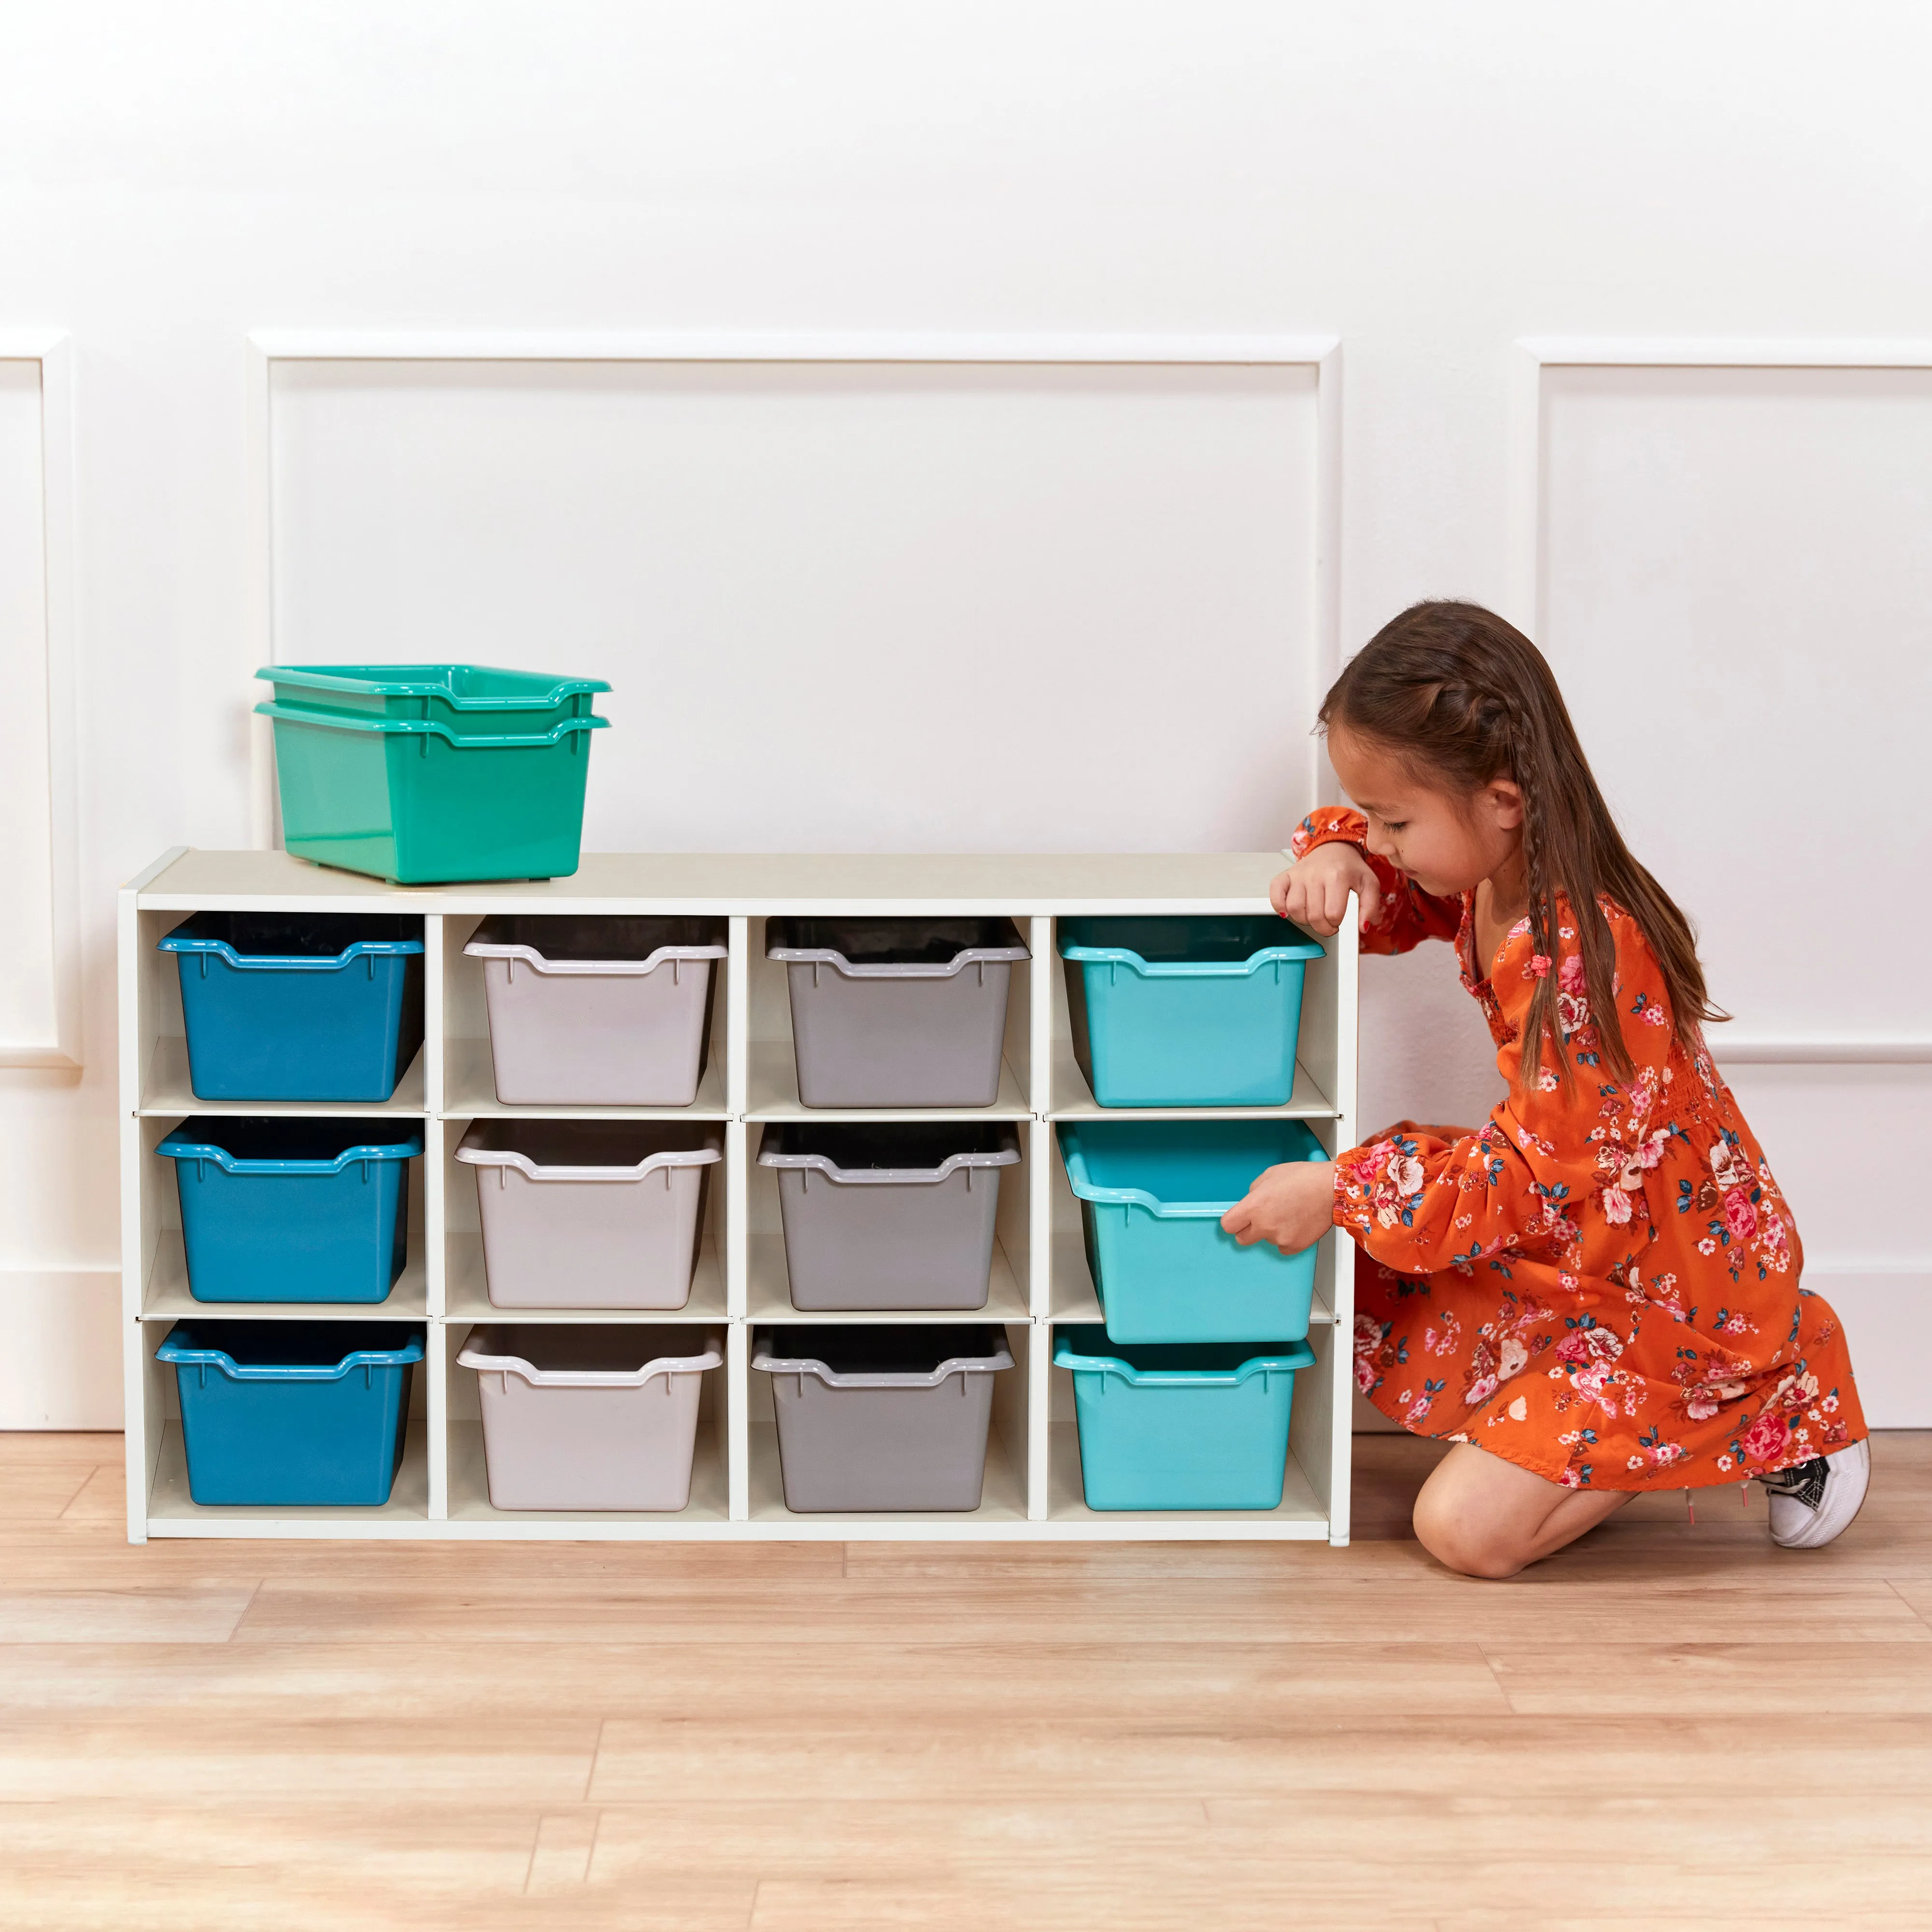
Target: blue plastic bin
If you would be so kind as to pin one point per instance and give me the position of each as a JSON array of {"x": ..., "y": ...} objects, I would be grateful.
[
  {"x": 1181, "y": 1428},
  {"x": 1197, "y": 1012},
  {"x": 292, "y": 1210},
  {"x": 299, "y": 1006},
  {"x": 296, "y": 1412},
  {"x": 1152, "y": 1194}
]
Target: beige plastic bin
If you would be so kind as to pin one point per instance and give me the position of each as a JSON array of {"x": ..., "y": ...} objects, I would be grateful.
[
  {"x": 584, "y": 1417},
  {"x": 598, "y": 1011},
  {"x": 591, "y": 1214}
]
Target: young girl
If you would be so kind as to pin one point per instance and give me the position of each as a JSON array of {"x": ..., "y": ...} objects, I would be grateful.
[{"x": 1597, "y": 1293}]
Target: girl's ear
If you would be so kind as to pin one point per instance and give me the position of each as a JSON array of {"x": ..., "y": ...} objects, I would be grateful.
[{"x": 1501, "y": 801}]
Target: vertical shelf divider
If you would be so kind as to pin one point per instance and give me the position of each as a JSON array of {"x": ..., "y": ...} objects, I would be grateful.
[
  {"x": 1348, "y": 945},
  {"x": 737, "y": 1433},
  {"x": 436, "y": 1352},
  {"x": 738, "y": 1417}
]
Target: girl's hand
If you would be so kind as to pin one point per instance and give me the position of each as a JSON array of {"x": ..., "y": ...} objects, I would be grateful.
[
  {"x": 1314, "y": 892},
  {"x": 1292, "y": 1205}
]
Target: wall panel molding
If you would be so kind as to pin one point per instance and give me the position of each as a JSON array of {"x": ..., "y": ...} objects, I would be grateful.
[
  {"x": 268, "y": 349},
  {"x": 36, "y": 739},
  {"x": 1525, "y": 580}
]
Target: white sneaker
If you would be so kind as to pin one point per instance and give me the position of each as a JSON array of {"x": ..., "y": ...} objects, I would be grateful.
[{"x": 1815, "y": 1501}]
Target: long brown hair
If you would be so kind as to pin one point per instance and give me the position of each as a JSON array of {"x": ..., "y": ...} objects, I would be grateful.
[{"x": 1464, "y": 698}]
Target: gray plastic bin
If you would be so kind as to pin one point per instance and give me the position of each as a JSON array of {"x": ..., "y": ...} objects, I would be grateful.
[
  {"x": 587, "y": 1011},
  {"x": 578, "y": 1417},
  {"x": 591, "y": 1214},
  {"x": 882, "y": 1418},
  {"x": 897, "y": 1012},
  {"x": 898, "y": 1216}
]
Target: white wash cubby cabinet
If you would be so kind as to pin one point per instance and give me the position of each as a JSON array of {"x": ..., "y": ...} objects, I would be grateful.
[{"x": 1039, "y": 1279}]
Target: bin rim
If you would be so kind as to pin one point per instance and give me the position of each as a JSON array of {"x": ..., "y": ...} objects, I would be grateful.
[
  {"x": 478, "y": 1156},
  {"x": 353, "y": 678},
  {"x": 1083, "y": 954},
  {"x": 190, "y": 1354},
  {"x": 948, "y": 969},
  {"x": 284, "y": 962},
  {"x": 811, "y": 1365},
  {"x": 478, "y": 947},
  {"x": 463, "y": 741},
  {"x": 476, "y": 1354},
  {"x": 1087, "y": 1189},
  {"x": 1283, "y": 1359},
  {"x": 770, "y": 1154},
  {"x": 178, "y": 1144}
]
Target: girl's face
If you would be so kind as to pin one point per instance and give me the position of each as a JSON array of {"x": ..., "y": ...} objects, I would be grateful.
[{"x": 1445, "y": 843}]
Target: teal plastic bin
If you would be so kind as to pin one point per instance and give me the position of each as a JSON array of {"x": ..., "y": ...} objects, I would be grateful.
[
  {"x": 425, "y": 774},
  {"x": 306, "y": 1413},
  {"x": 1152, "y": 1194},
  {"x": 1202, "y": 1428},
  {"x": 1197, "y": 1012}
]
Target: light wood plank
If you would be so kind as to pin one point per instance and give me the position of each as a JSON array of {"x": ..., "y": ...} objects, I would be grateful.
[
  {"x": 1136, "y": 1736},
  {"x": 120, "y": 1616}
]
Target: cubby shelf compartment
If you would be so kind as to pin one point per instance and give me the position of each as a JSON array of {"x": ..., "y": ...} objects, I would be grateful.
[
  {"x": 1073, "y": 1297},
  {"x": 167, "y": 1091},
  {"x": 1073, "y": 1100},
  {"x": 469, "y": 1090},
  {"x": 167, "y": 1298},
  {"x": 1039, "y": 1276}
]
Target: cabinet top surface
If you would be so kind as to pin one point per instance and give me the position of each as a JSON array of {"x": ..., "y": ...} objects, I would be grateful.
[{"x": 755, "y": 882}]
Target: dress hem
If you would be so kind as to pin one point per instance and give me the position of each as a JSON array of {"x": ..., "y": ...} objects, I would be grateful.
[{"x": 1662, "y": 1479}]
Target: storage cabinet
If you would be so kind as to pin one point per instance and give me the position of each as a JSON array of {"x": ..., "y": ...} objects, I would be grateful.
[{"x": 1039, "y": 1278}]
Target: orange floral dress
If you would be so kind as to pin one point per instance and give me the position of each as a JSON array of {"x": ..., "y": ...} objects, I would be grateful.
[{"x": 1602, "y": 1285}]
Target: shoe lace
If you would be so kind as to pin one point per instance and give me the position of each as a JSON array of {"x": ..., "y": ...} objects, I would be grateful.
[{"x": 1804, "y": 1482}]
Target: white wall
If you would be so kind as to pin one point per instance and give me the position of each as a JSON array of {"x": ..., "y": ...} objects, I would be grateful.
[{"x": 1432, "y": 185}]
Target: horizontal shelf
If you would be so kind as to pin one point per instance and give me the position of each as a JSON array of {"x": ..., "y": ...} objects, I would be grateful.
[
  {"x": 1300, "y": 1515},
  {"x": 167, "y": 1299},
  {"x": 470, "y": 1506},
  {"x": 466, "y": 1292},
  {"x": 1073, "y": 1100},
  {"x": 165, "y": 1091},
  {"x": 1002, "y": 1497},
  {"x": 470, "y": 1092},
  {"x": 773, "y": 1095},
  {"x": 769, "y": 1294},
  {"x": 1071, "y": 1295},
  {"x": 172, "y": 1512},
  {"x": 754, "y": 882}
]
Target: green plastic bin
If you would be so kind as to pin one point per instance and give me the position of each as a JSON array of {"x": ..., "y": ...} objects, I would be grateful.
[
  {"x": 1201, "y": 1428},
  {"x": 1202, "y": 1011},
  {"x": 1152, "y": 1194},
  {"x": 423, "y": 774}
]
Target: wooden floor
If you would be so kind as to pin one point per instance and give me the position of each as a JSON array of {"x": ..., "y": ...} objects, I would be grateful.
[{"x": 1668, "y": 1726}]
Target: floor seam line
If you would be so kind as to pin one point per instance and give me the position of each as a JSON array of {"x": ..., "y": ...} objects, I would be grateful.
[
  {"x": 241, "y": 1614},
  {"x": 1495, "y": 1676},
  {"x": 596, "y": 1751},
  {"x": 1907, "y": 1602}
]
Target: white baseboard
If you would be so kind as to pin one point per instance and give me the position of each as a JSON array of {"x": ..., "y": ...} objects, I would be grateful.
[
  {"x": 1884, "y": 1314},
  {"x": 61, "y": 1366}
]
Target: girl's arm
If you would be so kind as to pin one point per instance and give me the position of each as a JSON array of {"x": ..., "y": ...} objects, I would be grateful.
[
  {"x": 1407, "y": 915},
  {"x": 1559, "y": 1174}
]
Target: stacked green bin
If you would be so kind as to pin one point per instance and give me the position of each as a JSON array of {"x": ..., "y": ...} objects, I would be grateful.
[{"x": 423, "y": 774}]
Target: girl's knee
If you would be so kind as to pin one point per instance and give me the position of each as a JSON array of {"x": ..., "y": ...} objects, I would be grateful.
[{"x": 1471, "y": 1548}]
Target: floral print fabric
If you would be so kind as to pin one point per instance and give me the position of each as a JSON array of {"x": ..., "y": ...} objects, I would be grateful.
[{"x": 1602, "y": 1284}]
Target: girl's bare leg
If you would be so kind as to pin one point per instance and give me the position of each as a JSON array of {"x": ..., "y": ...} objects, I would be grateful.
[{"x": 1486, "y": 1517}]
